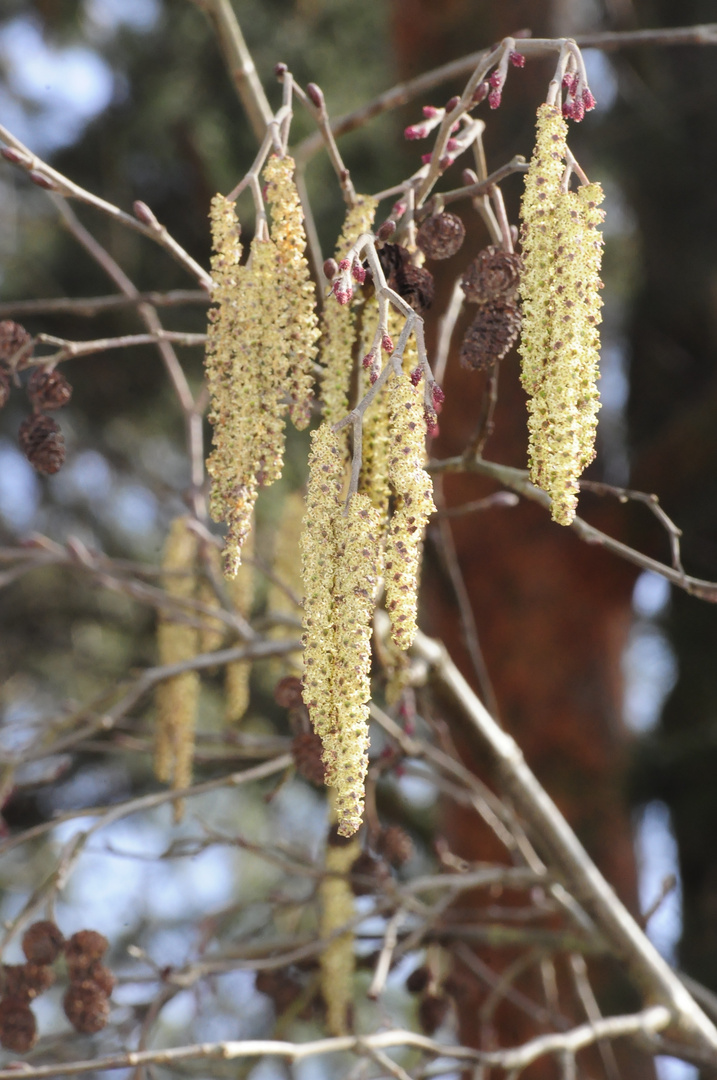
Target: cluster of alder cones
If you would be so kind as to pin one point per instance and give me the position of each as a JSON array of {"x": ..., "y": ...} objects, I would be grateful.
[
  {"x": 40, "y": 435},
  {"x": 491, "y": 281},
  {"x": 86, "y": 1000}
]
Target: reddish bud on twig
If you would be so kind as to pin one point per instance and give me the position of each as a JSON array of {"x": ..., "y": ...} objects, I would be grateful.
[
  {"x": 481, "y": 92},
  {"x": 280, "y": 71},
  {"x": 359, "y": 273},
  {"x": 373, "y": 377},
  {"x": 496, "y": 80},
  {"x": 494, "y": 98},
  {"x": 445, "y": 161},
  {"x": 398, "y": 210},
  {"x": 570, "y": 82},
  {"x": 368, "y": 359},
  {"x": 452, "y": 102},
  {"x": 387, "y": 229},
  {"x": 344, "y": 264},
  {"x": 416, "y": 131},
  {"x": 438, "y": 397},
  {"x": 426, "y": 158},
  {"x": 43, "y": 181},
  {"x": 416, "y": 375},
  {"x": 387, "y": 343},
  {"x": 315, "y": 95},
  {"x": 468, "y": 176},
  {"x": 331, "y": 268},
  {"x": 517, "y": 59},
  {"x": 430, "y": 112},
  {"x": 13, "y": 155},
  {"x": 342, "y": 294},
  {"x": 452, "y": 145},
  {"x": 143, "y": 213}
]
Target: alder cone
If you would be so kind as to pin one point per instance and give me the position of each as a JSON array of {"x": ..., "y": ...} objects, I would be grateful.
[
  {"x": 395, "y": 845},
  {"x": 86, "y": 1007},
  {"x": 491, "y": 335},
  {"x": 48, "y": 389},
  {"x": 367, "y": 874},
  {"x": 18, "y": 1029},
  {"x": 306, "y": 749},
  {"x": 414, "y": 283},
  {"x": 12, "y": 337},
  {"x": 42, "y": 443},
  {"x": 42, "y": 942},
  {"x": 493, "y": 274},
  {"x": 432, "y": 1011},
  {"x": 441, "y": 236},
  {"x": 23, "y": 982},
  {"x": 83, "y": 950}
]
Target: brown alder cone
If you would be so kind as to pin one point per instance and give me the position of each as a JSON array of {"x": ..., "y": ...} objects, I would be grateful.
[
  {"x": 42, "y": 443},
  {"x": 441, "y": 236},
  {"x": 82, "y": 950},
  {"x": 18, "y": 1029},
  {"x": 493, "y": 273},
  {"x": 395, "y": 845},
  {"x": 48, "y": 389},
  {"x": 491, "y": 335},
  {"x": 23, "y": 982},
  {"x": 12, "y": 338},
  {"x": 42, "y": 942},
  {"x": 86, "y": 1007},
  {"x": 306, "y": 749}
]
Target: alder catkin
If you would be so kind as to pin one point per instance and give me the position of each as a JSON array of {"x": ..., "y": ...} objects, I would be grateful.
[
  {"x": 413, "y": 489},
  {"x": 300, "y": 322},
  {"x": 338, "y": 324},
  {"x": 561, "y": 311},
  {"x": 177, "y": 697},
  {"x": 336, "y": 960}
]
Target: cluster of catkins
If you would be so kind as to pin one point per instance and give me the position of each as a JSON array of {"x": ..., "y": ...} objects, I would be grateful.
[
  {"x": 560, "y": 343},
  {"x": 40, "y": 436},
  {"x": 261, "y": 349},
  {"x": 86, "y": 1000}
]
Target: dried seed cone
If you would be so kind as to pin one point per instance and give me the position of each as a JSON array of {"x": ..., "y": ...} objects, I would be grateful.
[
  {"x": 177, "y": 698},
  {"x": 42, "y": 942},
  {"x": 301, "y": 325},
  {"x": 307, "y": 751},
  {"x": 18, "y": 1029},
  {"x": 491, "y": 335},
  {"x": 42, "y": 443},
  {"x": 12, "y": 338},
  {"x": 494, "y": 274},
  {"x": 561, "y": 312},
  {"x": 337, "y": 959},
  {"x": 432, "y": 1011},
  {"x": 83, "y": 950},
  {"x": 48, "y": 389},
  {"x": 395, "y": 845},
  {"x": 338, "y": 325},
  {"x": 86, "y": 1007},
  {"x": 24, "y": 982},
  {"x": 368, "y": 874},
  {"x": 441, "y": 235},
  {"x": 413, "y": 489}
]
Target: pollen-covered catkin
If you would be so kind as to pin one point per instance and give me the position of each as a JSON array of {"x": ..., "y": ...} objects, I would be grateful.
[
  {"x": 346, "y": 752},
  {"x": 177, "y": 698},
  {"x": 561, "y": 311},
  {"x": 300, "y": 322},
  {"x": 338, "y": 324},
  {"x": 285, "y": 587},
  {"x": 238, "y": 673},
  {"x": 336, "y": 960},
  {"x": 413, "y": 489},
  {"x": 340, "y": 560}
]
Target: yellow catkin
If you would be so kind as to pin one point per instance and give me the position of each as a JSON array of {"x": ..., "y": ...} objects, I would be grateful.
[
  {"x": 413, "y": 489},
  {"x": 561, "y": 311},
  {"x": 373, "y": 479},
  {"x": 237, "y": 674},
  {"x": 338, "y": 325},
  {"x": 177, "y": 698},
  {"x": 213, "y": 633},
  {"x": 346, "y": 750},
  {"x": 336, "y": 960},
  {"x": 340, "y": 558},
  {"x": 300, "y": 322}
]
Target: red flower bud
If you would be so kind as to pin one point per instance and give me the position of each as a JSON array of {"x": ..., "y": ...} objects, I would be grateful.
[
  {"x": 344, "y": 264},
  {"x": 430, "y": 112},
  {"x": 387, "y": 343},
  {"x": 43, "y": 181},
  {"x": 280, "y": 71},
  {"x": 494, "y": 98},
  {"x": 451, "y": 103},
  {"x": 588, "y": 100},
  {"x": 438, "y": 397},
  {"x": 331, "y": 268},
  {"x": 496, "y": 80},
  {"x": 453, "y": 145},
  {"x": 415, "y": 131},
  {"x": 426, "y": 158},
  {"x": 13, "y": 155},
  {"x": 315, "y": 95},
  {"x": 517, "y": 59},
  {"x": 359, "y": 273},
  {"x": 480, "y": 93},
  {"x": 416, "y": 375},
  {"x": 387, "y": 229}
]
